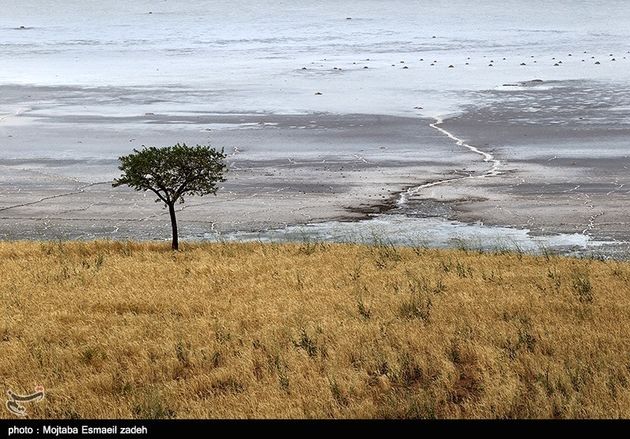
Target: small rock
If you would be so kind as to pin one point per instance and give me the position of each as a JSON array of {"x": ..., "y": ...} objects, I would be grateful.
[
  {"x": 451, "y": 66},
  {"x": 405, "y": 67},
  {"x": 597, "y": 62},
  {"x": 523, "y": 64},
  {"x": 365, "y": 67},
  {"x": 318, "y": 93}
]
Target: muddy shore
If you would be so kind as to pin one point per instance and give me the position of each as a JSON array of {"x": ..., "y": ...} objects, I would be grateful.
[{"x": 563, "y": 166}]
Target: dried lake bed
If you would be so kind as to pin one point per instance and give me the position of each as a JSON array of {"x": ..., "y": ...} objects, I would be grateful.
[{"x": 340, "y": 123}]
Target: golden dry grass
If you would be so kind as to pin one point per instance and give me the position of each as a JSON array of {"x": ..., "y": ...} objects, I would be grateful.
[{"x": 129, "y": 330}]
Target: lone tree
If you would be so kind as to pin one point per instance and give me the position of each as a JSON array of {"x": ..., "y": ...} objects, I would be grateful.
[{"x": 173, "y": 172}]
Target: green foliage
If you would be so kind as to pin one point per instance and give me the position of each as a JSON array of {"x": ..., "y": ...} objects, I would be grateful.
[{"x": 173, "y": 172}]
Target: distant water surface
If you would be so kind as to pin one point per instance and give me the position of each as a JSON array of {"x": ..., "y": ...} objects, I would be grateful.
[{"x": 256, "y": 47}]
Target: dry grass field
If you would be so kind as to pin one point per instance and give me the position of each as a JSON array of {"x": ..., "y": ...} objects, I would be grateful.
[{"x": 133, "y": 330}]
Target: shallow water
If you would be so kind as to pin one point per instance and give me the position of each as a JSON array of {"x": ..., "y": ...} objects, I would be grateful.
[{"x": 253, "y": 52}]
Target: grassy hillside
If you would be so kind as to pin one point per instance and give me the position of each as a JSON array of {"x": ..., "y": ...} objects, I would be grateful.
[{"x": 262, "y": 330}]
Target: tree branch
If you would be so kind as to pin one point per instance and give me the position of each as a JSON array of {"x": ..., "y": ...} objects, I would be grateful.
[{"x": 159, "y": 195}]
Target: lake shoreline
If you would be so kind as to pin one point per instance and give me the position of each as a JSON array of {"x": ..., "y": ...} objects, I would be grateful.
[{"x": 321, "y": 168}]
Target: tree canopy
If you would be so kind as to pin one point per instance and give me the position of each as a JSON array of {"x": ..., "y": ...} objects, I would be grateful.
[{"x": 173, "y": 172}]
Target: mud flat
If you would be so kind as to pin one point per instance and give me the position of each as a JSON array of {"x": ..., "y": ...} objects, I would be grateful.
[
  {"x": 530, "y": 164},
  {"x": 284, "y": 169},
  {"x": 565, "y": 157}
]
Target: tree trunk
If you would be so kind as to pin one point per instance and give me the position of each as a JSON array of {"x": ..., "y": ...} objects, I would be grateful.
[{"x": 171, "y": 210}]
